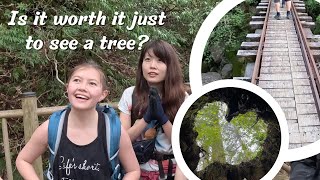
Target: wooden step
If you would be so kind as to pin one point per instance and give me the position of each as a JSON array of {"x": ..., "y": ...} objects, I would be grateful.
[
  {"x": 258, "y": 18},
  {"x": 301, "y": 9},
  {"x": 249, "y": 45},
  {"x": 305, "y": 18},
  {"x": 253, "y": 37},
  {"x": 315, "y": 52},
  {"x": 262, "y": 13},
  {"x": 299, "y": 4},
  {"x": 248, "y": 79},
  {"x": 262, "y": 8},
  {"x": 310, "y": 25},
  {"x": 316, "y": 55},
  {"x": 256, "y": 24},
  {"x": 247, "y": 54},
  {"x": 302, "y": 14},
  {"x": 316, "y": 36},
  {"x": 314, "y": 45},
  {"x": 297, "y": 1},
  {"x": 263, "y": 4},
  {"x": 308, "y": 33}
]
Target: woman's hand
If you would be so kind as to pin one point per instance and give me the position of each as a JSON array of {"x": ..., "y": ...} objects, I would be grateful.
[
  {"x": 148, "y": 116},
  {"x": 158, "y": 112},
  {"x": 155, "y": 110}
]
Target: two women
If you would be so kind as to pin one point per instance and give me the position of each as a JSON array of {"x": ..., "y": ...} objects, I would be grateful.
[{"x": 83, "y": 129}]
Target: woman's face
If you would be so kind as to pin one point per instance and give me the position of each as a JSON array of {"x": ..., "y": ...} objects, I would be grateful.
[
  {"x": 85, "y": 88},
  {"x": 154, "y": 70}
]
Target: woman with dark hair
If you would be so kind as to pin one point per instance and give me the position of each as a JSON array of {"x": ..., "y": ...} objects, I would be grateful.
[{"x": 158, "y": 68}]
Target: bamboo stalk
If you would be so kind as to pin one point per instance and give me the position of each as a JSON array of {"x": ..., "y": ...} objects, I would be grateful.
[{"x": 7, "y": 148}]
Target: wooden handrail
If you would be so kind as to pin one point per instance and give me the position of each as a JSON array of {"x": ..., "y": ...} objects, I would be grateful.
[
  {"x": 257, "y": 64},
  {"x": 40, "y": 111}
]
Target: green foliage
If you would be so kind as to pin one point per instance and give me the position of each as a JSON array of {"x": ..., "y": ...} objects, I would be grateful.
[
  {"x": 253, "y": 132},
  {"x": 183, "y": 17},
  {"x": 313, "y": 9},
  {"x": 228, "y": 28},
  {"x": 233, "y": 143},
  {"x": 226, "y": 38},
  {"x": 13, "y": 41},
  {"x": 209, "y": 134},
  {"x": 317, "y": 27}
]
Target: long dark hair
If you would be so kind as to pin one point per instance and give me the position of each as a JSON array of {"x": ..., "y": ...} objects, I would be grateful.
[{"x": 173, "y": 92}]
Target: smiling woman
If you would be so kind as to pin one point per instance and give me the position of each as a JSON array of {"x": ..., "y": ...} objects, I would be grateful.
[
  {"x": 91, "y": 150},
  {"x": 85, "y": 91}
]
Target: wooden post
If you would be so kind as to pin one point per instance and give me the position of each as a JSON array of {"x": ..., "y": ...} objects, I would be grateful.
[
  {"x": 7, "y": 148},
  {"x": 30, "y": 123}
]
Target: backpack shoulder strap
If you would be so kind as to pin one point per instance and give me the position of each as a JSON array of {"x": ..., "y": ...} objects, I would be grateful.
[
  {"x": 54, "y": 130},
  {"x": 113, "y": 133},
  {"x": 133, "y": 114},
  {"x": 54, "y": 134}
]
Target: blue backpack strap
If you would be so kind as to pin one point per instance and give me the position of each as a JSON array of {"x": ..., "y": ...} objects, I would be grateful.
[
  {"x": 113, "y": 133},
  {"x": 54, "y": 134}
]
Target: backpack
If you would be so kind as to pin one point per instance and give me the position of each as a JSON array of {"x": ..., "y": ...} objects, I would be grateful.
[
  {"x": 113, "y": 132},
  {"x": 307, "y": 169}
]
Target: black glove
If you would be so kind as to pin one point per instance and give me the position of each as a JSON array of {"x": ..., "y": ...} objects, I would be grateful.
[
  {"x": 158, "y": 112},
  {"x": 155, "y": 110},
  {"x": 148, "y": 116}
]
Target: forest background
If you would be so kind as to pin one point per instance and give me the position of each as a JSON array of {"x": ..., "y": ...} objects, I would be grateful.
[{"x": 23, "y": 70}]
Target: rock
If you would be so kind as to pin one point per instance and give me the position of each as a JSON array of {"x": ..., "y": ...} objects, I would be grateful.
[
  {"x": 217, "y": 53},
  {"x": 210, "y": 77},
  {"x": 226, "y": 71}
]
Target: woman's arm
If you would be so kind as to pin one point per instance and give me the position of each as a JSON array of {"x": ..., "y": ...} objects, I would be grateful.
[
  {"x": 167, "y": 128},
  {"x": 127, "y": 157},
  {"x": 179, "y": 175},
  {"x": 36, "y": 146},
  {"x": 125, "y": 107},
  {"x": 135, "y": 130}
]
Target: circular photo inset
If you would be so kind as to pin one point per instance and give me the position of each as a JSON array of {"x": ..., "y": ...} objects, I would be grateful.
[{"x": 230, "y": 133}]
